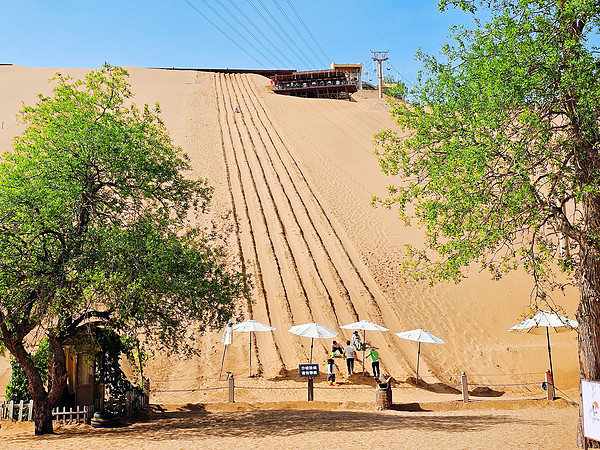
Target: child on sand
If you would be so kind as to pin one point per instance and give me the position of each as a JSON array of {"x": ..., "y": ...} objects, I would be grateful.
[
  {"x": 356, "y": 341},
  {"x": 331, "y": 372},
  {"x": 336, "y": 350}
]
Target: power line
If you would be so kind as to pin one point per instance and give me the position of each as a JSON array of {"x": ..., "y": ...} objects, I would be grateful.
[
  {"x": 266, "y": 38},
  {"x": 308, "y": 31},
  {"x": 224, "y": 33},
  {"x": 275, "y": 21},
  {"x": 234, "y": 29},
  {"x": 249, "y": 32},
  {"x": 399, "y": 73},
  {"x": 295, "y": 29}
]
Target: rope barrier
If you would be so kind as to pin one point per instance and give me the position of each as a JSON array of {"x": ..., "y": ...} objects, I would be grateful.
[
  {"x": 501, "y": 385},
  {"x": 504, "y": 374},
  {"x": 190, "y": 390},
  {"x": 267, "y": 388},
  {"x": 577, "y": 403}
]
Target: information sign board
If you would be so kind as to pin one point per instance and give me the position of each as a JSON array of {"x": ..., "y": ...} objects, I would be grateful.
[
  {"x": 308, "y": 370},
  {"x": 590, "y": 395}
]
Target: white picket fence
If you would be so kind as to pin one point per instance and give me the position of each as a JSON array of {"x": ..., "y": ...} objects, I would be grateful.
[
  {"x": 133, "y": 401},
  {"x": 8, "y": 410},
  {"x": 80, "y": 414}
]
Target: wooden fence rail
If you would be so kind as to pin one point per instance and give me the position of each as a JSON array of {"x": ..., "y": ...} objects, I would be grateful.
[
  {"x": 22, "y": 411},
  {"x": 80, "y": 414}
]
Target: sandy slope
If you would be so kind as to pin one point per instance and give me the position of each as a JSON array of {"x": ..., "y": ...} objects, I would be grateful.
[{"x": 298, "y": 175}]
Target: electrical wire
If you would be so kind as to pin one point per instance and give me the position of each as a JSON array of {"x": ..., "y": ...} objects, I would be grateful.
[
  {"x": 245, "y": 28},
  {"x": 310, "y": 47},
  {"x": 304, "y": 60},
  {"x": 265, "y": 37},
  {"x": 233, "y": 28},
  {"x": 224, "y": 33},
  {"x": 307, "y": 30}
]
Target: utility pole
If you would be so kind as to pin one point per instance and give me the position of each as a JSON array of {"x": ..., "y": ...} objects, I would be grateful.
[{"x": 380, "y": 57}]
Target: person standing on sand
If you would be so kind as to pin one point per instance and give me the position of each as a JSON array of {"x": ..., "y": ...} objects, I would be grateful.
[
  {"x": 374, "y": 361},
  {"x": 350, "y": 354},
  {"x": 331, "y": 372}
]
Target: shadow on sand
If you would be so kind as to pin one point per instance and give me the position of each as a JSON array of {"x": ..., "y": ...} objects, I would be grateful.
[{"x": 194, "y": 422}]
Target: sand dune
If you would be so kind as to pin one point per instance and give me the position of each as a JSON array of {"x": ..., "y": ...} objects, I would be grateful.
[{"x": 298, "y": 175}]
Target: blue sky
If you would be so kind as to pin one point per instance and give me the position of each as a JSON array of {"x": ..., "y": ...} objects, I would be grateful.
[{"x": 171, "y": 33}]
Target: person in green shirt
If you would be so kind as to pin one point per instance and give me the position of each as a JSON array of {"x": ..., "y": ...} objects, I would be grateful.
[{"x": 374, "y": 360}]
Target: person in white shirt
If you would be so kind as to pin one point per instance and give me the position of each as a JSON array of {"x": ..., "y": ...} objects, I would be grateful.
[{"x": 350, "y": 354}]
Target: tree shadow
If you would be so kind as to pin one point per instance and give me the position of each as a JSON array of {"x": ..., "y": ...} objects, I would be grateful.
[{"x": 194, "y": 422}]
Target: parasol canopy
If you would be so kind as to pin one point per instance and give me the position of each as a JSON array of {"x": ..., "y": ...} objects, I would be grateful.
[{"x": 314, "y": 331}]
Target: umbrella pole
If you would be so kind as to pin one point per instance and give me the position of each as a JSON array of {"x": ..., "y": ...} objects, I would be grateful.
[
  {"x": 312, "y": 341},
  {"x": 550, "y": 357},
  {"x": 250, "y": 353},
  {"x": 418, "y": 358},
  {"x": 364, "y": 344},
  {"x": 222, "y": 361}
]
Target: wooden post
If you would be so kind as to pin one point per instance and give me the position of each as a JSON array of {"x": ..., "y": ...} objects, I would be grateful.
[
  {"x": 465, "y": 387},
  {"x": 549, "y": 386},
  {"x": 128, "y": 410},
  {"x": 11, "y": 408},
  {"x": 311, "y": 391},
  {"x": 30, "y": 412},
  {"x": 231, "y": 389},
  {"x": 146, "y": 392},
  {"x": 383, "y": 395},
  {"x": 20, "y": 410}
]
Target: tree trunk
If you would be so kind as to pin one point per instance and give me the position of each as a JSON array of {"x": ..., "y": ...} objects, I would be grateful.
[
  {"x": 43, "y": 416},
  {"x": 588, "y": 312},
  {"x": 43, "y": 400}
]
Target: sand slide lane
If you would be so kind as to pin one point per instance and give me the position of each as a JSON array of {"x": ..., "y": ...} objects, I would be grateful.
[
  {"x": 314, "y": 214},
  {"x": 325, "y": 275}
]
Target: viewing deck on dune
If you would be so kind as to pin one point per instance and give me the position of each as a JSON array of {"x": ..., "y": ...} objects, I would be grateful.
[{"x": 315, "y": 84}]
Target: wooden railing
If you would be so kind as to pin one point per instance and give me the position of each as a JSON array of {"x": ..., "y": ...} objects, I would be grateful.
[
  {"x": 22, "y": 410},
  {"x": 80, "y": 414}
]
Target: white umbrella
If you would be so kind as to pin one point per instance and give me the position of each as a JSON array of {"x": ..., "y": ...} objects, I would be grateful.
[
  {"x": 542, "y": 323},
  {"x": 420, "y": 335},
  {"x": 314, "y": 331},
  {"x": 364, "y": 325},
  {"x": 250, "y": 326}
]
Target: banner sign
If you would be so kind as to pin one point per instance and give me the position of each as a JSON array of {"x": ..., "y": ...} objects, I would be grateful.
[
  {"x": 590, "y": 395},
  {"x": 227, "y": 337},
  {"x": 308, "y": 370}
]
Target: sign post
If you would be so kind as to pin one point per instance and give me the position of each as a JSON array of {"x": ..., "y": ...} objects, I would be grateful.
[{"x": 309, "y": 371}]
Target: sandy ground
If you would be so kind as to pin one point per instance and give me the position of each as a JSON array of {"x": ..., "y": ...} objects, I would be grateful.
[
  {"x": 492, "y": 424},
  {"x": 298, "y": 176}
]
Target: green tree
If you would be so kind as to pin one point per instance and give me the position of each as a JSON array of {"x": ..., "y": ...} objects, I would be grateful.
[
  {"x": 501, "y": 163},
  {"x": 396, "y": 88},
  {"x": 96, "y": 226}
]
